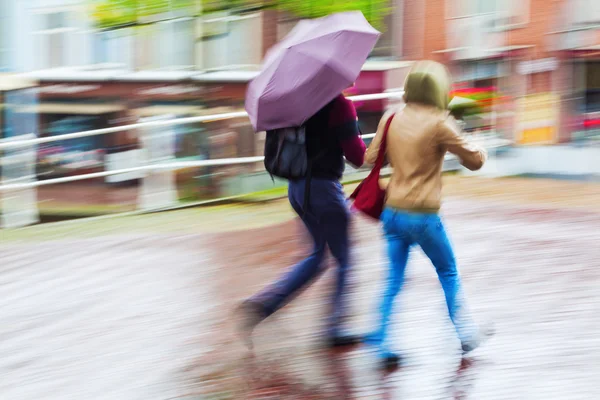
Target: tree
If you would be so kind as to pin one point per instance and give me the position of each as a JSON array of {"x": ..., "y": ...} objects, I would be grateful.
[
  {"x": 113, "y": 13},
  {"x": 374, "y": 10}
]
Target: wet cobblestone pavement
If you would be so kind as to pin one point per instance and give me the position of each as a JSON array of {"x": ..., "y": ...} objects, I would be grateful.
[{"x": 148, "y": 315}]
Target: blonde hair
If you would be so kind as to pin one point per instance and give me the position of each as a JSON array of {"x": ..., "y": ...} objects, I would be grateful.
[{"x": 428, "y": 82}]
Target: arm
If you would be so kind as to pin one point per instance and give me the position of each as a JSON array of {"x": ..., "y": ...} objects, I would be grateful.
[
  {"x": 343, "y": 123},
  {"x": 471, "y": 156},
  {"x": 373, "y": 149}
]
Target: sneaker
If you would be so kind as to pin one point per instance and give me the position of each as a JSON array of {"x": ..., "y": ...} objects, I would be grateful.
[
  {"x": 482, "y": 336},
  {"x": 343, "y": 341},
  {"x": 389, "y": 361},
  {"x": 249, "y": 314}
]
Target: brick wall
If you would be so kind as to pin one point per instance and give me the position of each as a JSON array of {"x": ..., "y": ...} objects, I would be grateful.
[
  {"x": 424, "y": 33},
  {"x": 542, "y": 20},
  {"x": 435, "y": 29},
  {"x": 425, "y": 30},
  {"x": 540, "y": 82},
  {"x": 413, "y": 12},
  {"x": 269, "y": 29}
]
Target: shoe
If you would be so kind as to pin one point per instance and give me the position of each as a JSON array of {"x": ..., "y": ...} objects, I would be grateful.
[
  {"x": 482, "y": 336},
  {"x": 249, "y": 314},
  {"x": 389, "y": 360},
  {"x": 372, "y": 339},
  {"x": 343, "y": 341}
]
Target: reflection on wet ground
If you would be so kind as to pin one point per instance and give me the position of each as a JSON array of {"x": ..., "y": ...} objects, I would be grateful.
[
  {"x": 148, "y": 316},
  {"x": 531, "y": 272}
]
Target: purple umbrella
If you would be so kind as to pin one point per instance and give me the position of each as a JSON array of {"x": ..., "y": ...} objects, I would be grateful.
[{"x": 313, "y": 64}]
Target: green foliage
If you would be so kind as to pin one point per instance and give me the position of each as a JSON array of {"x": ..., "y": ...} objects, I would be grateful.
[
  {"x": 374, "y": 10},
  {"x": 113, "y": 13},
  {"x": 209, "y": 6}
]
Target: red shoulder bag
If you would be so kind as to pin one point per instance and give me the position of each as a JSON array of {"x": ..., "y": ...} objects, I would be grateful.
[{"x": 369, "y": 197}]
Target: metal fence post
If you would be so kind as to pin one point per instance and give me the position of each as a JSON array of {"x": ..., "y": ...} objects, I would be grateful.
[
  {"x": 18, "y": 206},
  {"x": 158, "y": 189}
]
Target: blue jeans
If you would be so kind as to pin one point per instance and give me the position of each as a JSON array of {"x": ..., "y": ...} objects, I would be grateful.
[
  {"x": 402, "y": 230},
  {"x": 326, "y": 220}
]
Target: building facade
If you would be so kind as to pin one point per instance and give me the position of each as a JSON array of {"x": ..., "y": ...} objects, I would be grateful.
[{"x": 539, "y": 58}]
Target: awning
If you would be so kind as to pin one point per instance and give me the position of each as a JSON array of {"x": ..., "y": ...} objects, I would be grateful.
[
  {"x": 226, "y": 77},
  {"x": 595, "y": 47},
  {"x": 72, "y": 108},
  {"x": 384, "y": 65},
  {"x": 458, "y": 101},
  {"x": 181, "y": 111},
  {"x": 15, "y": 82},
  {"x": 482, "y": 54},
  {"x": 506, "y": 49},
  {"x": 175, "y": 110},
  {"x": 584, "y": 52}
]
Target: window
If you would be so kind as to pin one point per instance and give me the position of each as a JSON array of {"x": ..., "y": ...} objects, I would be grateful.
[
  {"x": 477, "y": 71},
  {"x": 54, "y": 38},
  {"x": 385, "y": 45},
  {"x": 586, "y": 12},
  {"x": 114, "y": 46},
  {"x": 19, "y": 117},
  {"x": 505, "y": 14},
  {"x": 4, "y": 35},
  {"x": 176, "y": 38}
]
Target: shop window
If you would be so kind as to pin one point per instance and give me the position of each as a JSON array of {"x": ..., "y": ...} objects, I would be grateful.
[
  {"x": 484, "y": 83},
  {"x": 477, "y": 71},
  {"x": 592, "y": 75},
  {"x": 66, "y": 157},
  {"x": 19, "y": 117}
]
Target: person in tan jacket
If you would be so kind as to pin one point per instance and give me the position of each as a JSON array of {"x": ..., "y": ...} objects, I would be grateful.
[{"x": 419, "y": 136}]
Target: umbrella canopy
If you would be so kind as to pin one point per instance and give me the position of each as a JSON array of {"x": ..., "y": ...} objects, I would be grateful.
[{"x": 312, "y": 65}]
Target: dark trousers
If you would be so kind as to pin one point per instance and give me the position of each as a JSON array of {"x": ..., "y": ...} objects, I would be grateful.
[{"x": 327, "y": 220}]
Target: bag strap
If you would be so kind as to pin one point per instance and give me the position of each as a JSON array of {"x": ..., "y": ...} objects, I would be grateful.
[{"x": 383, "y": 145}]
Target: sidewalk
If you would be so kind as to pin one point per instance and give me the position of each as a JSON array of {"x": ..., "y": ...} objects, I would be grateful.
[
  {"x": 139, "y": 307},
  {"x": 573, "y": 197}
]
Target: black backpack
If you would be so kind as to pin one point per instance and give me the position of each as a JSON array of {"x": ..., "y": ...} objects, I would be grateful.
[{"x": 286, "y": 152}]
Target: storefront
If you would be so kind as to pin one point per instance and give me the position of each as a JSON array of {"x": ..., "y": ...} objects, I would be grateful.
[
  {"x": 478, "y": 80},
  {"x": 489, "y": 76},
  {"x": 85, "y": 103},
  {"x": 81, "y": 155},
  {"x": 17, "y": 165},
  {"x": 538, "y": 109},
  {"x": 586, "y": 78}
]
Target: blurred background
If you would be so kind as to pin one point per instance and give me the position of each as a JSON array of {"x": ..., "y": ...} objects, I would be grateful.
[
  {"x": 122, "y": 107},
  {"x": 530, "y": 67}
]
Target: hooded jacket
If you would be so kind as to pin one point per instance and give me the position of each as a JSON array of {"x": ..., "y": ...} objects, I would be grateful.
[{"x": 419, "y": 136}]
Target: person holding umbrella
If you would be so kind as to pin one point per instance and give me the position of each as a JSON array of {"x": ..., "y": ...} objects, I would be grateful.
[
  {"x": 417, "y": 139},
  {"x": 300, "y": 87}
]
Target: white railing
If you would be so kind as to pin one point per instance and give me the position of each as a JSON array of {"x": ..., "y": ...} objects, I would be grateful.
[
  {"x": 151, "y": 124},
  {"x": 155, "y": 167},
  {"x": 151, "y": 167},
  {"x": 171, "y": 122}
]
